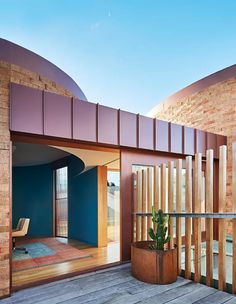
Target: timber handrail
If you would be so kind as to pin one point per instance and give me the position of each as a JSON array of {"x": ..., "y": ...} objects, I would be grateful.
[{"x": 226, "y": 215}]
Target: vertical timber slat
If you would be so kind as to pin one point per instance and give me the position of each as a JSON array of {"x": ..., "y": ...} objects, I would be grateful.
[
  {"x": 163, "y": 187},
  {"x": 222, "y": 203},
  {"x": 156, "y": 188},
  {"x": 209, "y": 221},
  {"x": 139, "y": 205},
  {"x": 144, "y": 204},
  {"x": 197, "y": 221},
  {"x": 171, "y": 199},
  {"x": 149, "y": 196},
  {"x": 188, "y": 221},
  {"x": 234, "y": 220},
  {"x": 179, "y": 186}
]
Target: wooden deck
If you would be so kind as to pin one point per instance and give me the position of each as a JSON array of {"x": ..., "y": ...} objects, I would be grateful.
[{"x": 116, "y": 285}]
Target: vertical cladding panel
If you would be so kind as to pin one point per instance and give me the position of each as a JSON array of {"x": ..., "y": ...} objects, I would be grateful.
[
  {"x": 176, "y": 138},
  {"x": 107, "y": 125},
  {"x": 146, "y": 133},
  {"x": 189, "y": 141},
  {"x": 212, "y": 142},
  {"x": 162, "y": 136},
  {"x": 84, "y": 120},
  {"x": 201, "y": 142},
  {"x": 128, "y": 129},
  {"x": 26, "y": 109},
  {"x": 57, "y": 115}
]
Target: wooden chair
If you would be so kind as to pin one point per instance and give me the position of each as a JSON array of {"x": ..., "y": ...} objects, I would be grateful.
[{"x": 21, "y": 230}]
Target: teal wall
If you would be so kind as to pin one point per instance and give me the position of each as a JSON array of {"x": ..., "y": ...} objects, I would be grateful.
[
  {"x": 33, "y": 198},
  {"x": 32, "y": 195},
  {"x": 83, "y": 204}
]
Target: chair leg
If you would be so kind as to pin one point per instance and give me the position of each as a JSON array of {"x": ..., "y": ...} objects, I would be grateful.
[
  {"x": 18, "y": 248},
  {"x": 21, "y": 249}
]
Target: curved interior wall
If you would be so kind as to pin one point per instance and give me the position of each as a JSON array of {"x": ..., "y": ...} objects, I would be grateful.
[{"x": 32, "y": 197}]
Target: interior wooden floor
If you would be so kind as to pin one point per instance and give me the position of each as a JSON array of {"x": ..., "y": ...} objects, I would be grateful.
[{"x": 99, "y": 257}]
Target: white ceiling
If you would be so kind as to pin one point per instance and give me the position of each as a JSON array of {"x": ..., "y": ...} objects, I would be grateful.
[{"x": 92, "y": 158}]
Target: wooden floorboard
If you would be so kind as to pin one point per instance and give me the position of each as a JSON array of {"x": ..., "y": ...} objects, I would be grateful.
[{"x": 117, "y": 286}]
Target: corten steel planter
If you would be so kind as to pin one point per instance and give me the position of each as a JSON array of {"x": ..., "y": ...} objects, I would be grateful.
[{"x": 153, "y": 266}]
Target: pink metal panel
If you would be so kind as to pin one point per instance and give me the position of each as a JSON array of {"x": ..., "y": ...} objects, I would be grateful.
[
  {"x": 162, "y": 135},
  {"x": 57, "y": 115},
  {"x": 189, "y": 141},
  {"x": 84, "y": 120},
  {"x": 26, "y": 109},
  {"x": 128, "y": 129},
  {"x": 176, "y": 138},
  {"x": 146, "y": 132},
  {"x": 201, "y": 142},
  {"x": 107, "y": 125}
]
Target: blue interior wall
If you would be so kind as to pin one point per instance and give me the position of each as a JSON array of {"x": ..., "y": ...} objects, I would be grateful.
[
  {"x": 82, "y": 204},
  {"x": 32, "y": 195}
]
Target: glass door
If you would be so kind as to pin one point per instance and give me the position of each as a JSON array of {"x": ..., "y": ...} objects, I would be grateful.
[{"x": 61, "y": 202}]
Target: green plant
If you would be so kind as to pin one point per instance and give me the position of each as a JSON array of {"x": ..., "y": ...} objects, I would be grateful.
[{"x": 160, "y": 235}]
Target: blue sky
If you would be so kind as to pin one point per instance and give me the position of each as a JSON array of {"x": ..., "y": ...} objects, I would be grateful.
[{"x": 129, "y": 54}]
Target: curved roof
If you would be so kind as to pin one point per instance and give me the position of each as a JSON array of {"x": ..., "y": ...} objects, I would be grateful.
[
  {"x": 198, "y": 86},
  {"x": 15, "y": 54}
]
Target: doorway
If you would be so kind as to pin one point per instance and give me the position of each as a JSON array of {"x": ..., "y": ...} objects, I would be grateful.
[{"x": 61, "y": 202}]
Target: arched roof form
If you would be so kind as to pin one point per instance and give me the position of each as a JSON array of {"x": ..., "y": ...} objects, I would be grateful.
[
  {"x": 18, "y": 55},
  {"x": 198, "y": 86}
]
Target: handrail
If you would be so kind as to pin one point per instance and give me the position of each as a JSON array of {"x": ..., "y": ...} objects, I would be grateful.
[{"x": 226, "y": 215}]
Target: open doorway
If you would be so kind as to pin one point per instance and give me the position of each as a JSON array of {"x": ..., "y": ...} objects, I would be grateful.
[{"x": 74, "y": 217}]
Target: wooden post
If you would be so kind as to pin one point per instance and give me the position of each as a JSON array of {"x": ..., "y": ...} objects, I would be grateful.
[
  {"x": 144, "y": 204},
  {"x": 171, "y": 199},
  {"x": 179, "y": 189},
  {"x": 135, "y": 206},
  {"x": 209, "y": 221},
  {"x": 139, "y": 205},
  {"x": 156, "y": 188},
  {"x": 197, "y": 221},
  {"x": 222, "y": 204},
  {"x": 149, "y": 196},
  {"x": 234, "y": 220},
  {"x": 163, "y": 187},
  {"x": 188, "y": 221}
]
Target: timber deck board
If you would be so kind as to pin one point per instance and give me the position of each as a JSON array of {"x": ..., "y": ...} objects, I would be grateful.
[{"x": 116, "y": 285}]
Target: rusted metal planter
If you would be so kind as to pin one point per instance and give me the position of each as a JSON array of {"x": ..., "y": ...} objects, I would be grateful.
[{"x": 153, "y": 266}]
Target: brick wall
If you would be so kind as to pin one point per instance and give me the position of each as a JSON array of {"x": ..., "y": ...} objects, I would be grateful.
[
  {"x": 12, "y": 73},
  {"x": 213, "y": 110}
]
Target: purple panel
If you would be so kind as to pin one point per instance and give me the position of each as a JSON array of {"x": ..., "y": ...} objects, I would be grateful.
[
  {"x": 107, "y": 125},
  {"x": 84, "y": 120},
  {"x": 146, "y": 133},
  {"x": 26, "y": 109},
  {"x": 189, "y": 141},
  {"x": 211, "y": 142},
  {"x": 162, "y": 136},
  {"x": 176, "y": 138},
  {"x": 57, "y": 115},
  {"x": 128, "y": 129},
  {"x": 201, "y": 142}
]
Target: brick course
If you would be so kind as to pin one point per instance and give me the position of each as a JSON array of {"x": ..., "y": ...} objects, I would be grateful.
[{"x": 12, "y": 73}]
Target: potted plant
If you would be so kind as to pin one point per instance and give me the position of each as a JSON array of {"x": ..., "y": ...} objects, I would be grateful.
[{"x": 151, "y": 261}]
